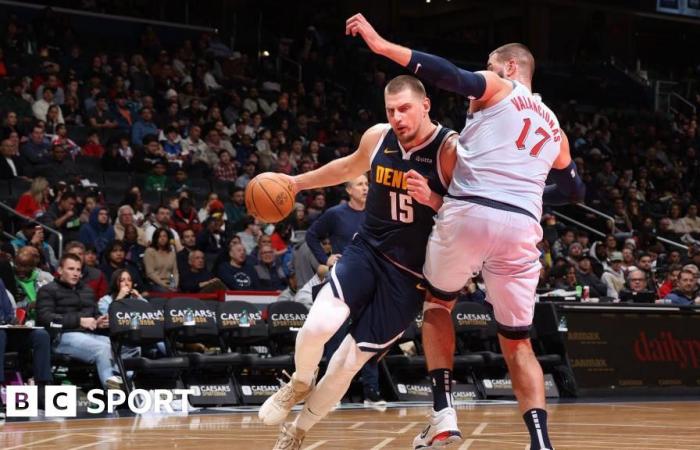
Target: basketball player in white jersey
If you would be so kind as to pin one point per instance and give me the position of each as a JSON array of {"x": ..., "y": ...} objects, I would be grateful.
[{"x": 489, "y": 221}]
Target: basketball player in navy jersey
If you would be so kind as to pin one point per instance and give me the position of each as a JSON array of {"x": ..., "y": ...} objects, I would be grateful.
[
  {"x": 489, "y": 221},
  {"x": 377, "y": 282}
]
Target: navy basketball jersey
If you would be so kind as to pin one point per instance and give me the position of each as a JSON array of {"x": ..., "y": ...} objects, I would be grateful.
[{"x": 396, "y": 225}]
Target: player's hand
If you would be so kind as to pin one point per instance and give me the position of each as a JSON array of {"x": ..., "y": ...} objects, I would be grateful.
[
  {"x": 357, "y": 24},
  {"x": 291, "y": 180},
  {"x": 333, "y": 259},
  {"x": 418, "y": 187}
]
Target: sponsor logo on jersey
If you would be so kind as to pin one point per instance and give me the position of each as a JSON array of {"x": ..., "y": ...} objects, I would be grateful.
[
  {"x": 388, "y": 151},
  {"x": 390, "y": 177},
  {"x": 423, "y": 159}
]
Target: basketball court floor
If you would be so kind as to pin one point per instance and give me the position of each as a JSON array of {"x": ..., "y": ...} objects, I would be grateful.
[{"x": 485, "y": 425}]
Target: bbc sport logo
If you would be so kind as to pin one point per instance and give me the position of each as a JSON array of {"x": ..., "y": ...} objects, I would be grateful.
[{"x": 62, "y": 401}]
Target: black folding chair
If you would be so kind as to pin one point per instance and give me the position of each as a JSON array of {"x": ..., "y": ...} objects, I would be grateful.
[{"x": 138, "y": 323}]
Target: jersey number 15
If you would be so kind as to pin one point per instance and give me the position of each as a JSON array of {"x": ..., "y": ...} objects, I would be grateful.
[
  {"x": 401, "y": 207},
  {"x": 524, "y": 133}
]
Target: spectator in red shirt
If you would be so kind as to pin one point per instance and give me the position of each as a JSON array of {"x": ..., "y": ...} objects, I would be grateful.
[
  {"x": 34, "y": 202},
  {"x": 670, "y": 282},
  {"x": 93, "y": 147}
]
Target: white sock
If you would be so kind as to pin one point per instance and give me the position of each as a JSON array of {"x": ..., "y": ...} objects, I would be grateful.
[
  {"x": 327, "y": 315},
  {"x": 345, "y": 363}
]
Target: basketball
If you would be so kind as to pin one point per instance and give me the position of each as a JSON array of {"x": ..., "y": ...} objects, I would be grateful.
[{"x": 269, "y": 197}]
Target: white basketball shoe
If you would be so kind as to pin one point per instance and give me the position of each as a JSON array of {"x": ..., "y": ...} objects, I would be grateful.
[{"x": 441, "y": 431}]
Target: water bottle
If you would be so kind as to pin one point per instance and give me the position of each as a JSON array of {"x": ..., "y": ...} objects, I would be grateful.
[
  {"x": 171, "y": 283},
  {"x": 189, "y": 318},
  {"x": 563, "y": 326},
  {"x": 579, "y": 292},
  {"x": 244, "y": 322},
  {"x": 135, "y": 328}
]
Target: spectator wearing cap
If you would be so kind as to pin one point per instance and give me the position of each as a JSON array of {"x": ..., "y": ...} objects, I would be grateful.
[
  {"x": 212, "y": 205},
  {"x": 586, "y": 277},
  {"x": 686, "y": 291},
  {"x": 614, "y": 276}
]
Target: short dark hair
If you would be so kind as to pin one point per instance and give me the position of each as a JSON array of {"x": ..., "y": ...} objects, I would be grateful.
[
  {"x": 70, "y": 256},
  {"x": 402, "y": 82},
  {"x": 519, "y": 52},
  {"x": 69, "y": 195}
]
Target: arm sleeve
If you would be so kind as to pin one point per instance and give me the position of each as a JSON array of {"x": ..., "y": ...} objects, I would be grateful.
[
  {"x": 445, "y": 75},
  {"x": 567, "y": 188},
  {"x": 319, "y": 230}
]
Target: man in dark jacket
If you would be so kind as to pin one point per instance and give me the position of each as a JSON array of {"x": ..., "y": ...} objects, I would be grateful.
[
  {"x": 684, "y": 294},
  {"x": 586, "y": 277},
  {"x": 71, "y": 306}
]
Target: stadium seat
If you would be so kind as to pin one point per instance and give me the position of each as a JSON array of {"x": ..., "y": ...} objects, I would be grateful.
[
  {"x": 150, "y": 330},
  {"x": 476, "y": 333}
]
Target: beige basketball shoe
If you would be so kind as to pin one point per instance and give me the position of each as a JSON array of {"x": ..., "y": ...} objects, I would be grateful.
[
  {"x": 276, "y": 408},
  {"x": 290, "y": 438}
]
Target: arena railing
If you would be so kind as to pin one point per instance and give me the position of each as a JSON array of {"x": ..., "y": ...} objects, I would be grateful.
[
  {"x": 34, "y": 221},
  {"x": 610, "y": 219}
]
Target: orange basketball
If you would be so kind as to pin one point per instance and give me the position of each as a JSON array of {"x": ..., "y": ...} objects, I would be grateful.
[{"x": 269, "y": 197}]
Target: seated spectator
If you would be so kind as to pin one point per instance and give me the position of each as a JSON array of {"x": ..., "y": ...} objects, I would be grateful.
[
  {"x": 628, "y": 261},
  {"x": 185, "y": 218},
  {"x": 270, "y": 272},
  {"x": 61, "y": 138},
  {"x": 60, "y": 167},
  {"x": 189, "y": 244},
  {"x": 90, "y": 258},
  {"x": 35, "y": 201},
  {"x": 121, "y": 286},
  {"x": 180, "y": 182},
  {"x": 586, "y": 277},
  {"x": 247, "y": 175},
  {"x": 61, "y": 216},
  {"x": 37, "y": 342},
  {"x": 637, "y": 287},
  {"x": 101, "y": 117},
  {"x": 250, "y": 234},
  {"x": 125, "y": 216},
  {"x": 671, "y": 280},
  {"x": 143, "y": 127},
  {"x": 235, "y": 208},
  {"x": 32, "y": 235},
  {"x": 568, "y": 281},
  {"x": 89, "y": 205},
  {"x": 162, "y": 220},
  {"x": 93, "y": 148},
  {"x": 133, "y": 249},
  {"x": 211, "y": 240},
  {"x": 238, "y": 273},
  {"x": 160, "y": 262},
  {"x": 212, "y": 205},
  {"x": 172, "y": 144},
  {"x": 561, "y": 245},
  {"x": 71, "y": 304},
  {"x": 119, "y": 157},
  {"x": 40, "y": 108},
  {"x": 28, "y": 280},
  {"x": 35, "y": 151},
  {"x": 216, "y": 143},
  {"x": 691, "y": 221},
  {"x": 197, "y": 278},
  {"x": 53, "y": 120},
  {"x": 11, "y": 165},
  {"x": 91, "y": 276},
  {"x": 115, "y": 259},
  {"x": 644, "y": 263},
  {"x": 201, "y": 156},
  {"x": 225, "y": 169},
  {"x": 98, "y": 232},
  {"x": 157, "y": 181},
  {"x": 686, "y": 291},
  {"x": 614, "y": 276},
  {"x": 147, "y": 156}
]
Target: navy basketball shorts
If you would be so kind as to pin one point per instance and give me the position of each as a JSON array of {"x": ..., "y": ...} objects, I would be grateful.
[{"x": 383, "y": 299}]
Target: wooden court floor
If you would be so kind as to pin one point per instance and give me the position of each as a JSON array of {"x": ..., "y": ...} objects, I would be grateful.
[{"x": 639, "y": 426}]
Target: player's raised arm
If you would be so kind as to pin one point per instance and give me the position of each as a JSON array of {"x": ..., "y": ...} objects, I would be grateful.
[
  {"x": 433, "y": 69},
  {"x": 342, "y": 169},
  {"x": 568, "y": 186}
]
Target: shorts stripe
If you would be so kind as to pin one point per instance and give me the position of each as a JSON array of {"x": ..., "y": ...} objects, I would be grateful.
[
  {"x": 377, "y": 348},
  {"x": 335, "y": 284}
]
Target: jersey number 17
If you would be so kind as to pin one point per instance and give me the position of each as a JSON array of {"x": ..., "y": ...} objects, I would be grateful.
[{"x": 525, "y": 132}]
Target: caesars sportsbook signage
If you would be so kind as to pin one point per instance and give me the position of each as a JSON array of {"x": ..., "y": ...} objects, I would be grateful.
[{"x": 619, "y": 350}]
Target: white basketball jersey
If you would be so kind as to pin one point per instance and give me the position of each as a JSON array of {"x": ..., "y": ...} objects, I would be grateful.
[{"x": 505, "y": 151}]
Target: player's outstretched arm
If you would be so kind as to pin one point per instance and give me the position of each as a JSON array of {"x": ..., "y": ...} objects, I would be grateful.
[
  {"x": 342, "y": 169},
  {"x": 568, "y": 186},
  {"x": 433, "y": 69}
]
